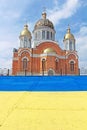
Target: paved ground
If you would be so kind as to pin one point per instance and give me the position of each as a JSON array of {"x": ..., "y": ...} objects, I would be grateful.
[{"x": 43, "y": 110}]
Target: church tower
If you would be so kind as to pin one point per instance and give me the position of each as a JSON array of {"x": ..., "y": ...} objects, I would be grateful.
[
  {"x": 25, "y": 38},
  {"x": 69, "y": 41},
  {"x": 43, "y": 30},
  {"x": 22, "y": 55}
]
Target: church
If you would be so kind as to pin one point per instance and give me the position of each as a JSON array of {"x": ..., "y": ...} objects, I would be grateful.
[{"x": 43, "y": 55}]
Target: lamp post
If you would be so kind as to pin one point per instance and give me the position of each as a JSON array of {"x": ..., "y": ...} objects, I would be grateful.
[
  {"x": 79, "y": 71},
  {"x": 8, "y": 72}
]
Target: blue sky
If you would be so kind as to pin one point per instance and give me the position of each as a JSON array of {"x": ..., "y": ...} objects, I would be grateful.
[{"x": 15, "y": 13}]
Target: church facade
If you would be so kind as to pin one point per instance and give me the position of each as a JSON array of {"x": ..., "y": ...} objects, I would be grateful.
[{"x": 43, "y": 55}]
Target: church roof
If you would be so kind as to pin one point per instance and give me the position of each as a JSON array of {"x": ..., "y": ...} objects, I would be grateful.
[
  {"x": 49, "y": 50},
  {"x": 26, "y": 32},
  {"x": 43, "y": 22},
  {"x": 69, "y": 35}
]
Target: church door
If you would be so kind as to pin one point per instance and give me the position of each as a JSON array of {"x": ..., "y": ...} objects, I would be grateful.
[{"x": 50, "y": 72}]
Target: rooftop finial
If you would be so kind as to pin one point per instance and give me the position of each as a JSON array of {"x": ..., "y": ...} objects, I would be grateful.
[
  {"x": 44, "y": 13},
  {"x": 26, "y": 25},
  {"x": 68, "y": 30}
]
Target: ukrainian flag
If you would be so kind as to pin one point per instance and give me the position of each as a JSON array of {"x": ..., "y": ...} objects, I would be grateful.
[{"x": 43, "y": 103}]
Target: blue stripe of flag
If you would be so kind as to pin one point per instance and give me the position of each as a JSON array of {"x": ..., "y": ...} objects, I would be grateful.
[{"x": 43, "y": 83}]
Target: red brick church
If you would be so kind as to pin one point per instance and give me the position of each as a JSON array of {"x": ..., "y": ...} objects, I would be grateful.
[{"x": 43, "y": 55}]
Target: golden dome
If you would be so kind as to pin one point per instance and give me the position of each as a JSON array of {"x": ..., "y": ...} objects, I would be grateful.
[
  {"x": 49, "y": 50},
  {"x": 43, "y": 22},
  {"x": 26, "y": 32},
  {"x": 68, "y": 35}
]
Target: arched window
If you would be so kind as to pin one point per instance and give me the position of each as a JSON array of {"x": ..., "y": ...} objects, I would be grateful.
[
  {"x": 47, "y": 34},
  {"x": 25, "y": 41},
  {"x": 43, "y": 34},
  {"x": 70, "y": 45},
  {"x": 72, "y": 66},
  {"x": 24, "y": 64},
  {"x": 51, "y": 35}
]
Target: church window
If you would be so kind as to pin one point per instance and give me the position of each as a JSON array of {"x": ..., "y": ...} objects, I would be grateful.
[
  {"x": 74, "y": 45},
  {"x": 70, "y": 45},
  {"x": 43, "y": 34},
  {"x": 24, "y": 64},
  {"x": 47, "y": 34},
  {"x": 36, "y": 35},
  {"x": 51, "y": 35},
  {"x": 25, "y": 42},
  {"x": 72, "y": 66}
]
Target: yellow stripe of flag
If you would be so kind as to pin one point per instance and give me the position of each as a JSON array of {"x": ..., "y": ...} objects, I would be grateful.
[{"x": 43, "y": 110}]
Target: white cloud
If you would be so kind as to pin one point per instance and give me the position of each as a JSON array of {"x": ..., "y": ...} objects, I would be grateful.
[
  {"x": 10, "y": 11},
  {"x": 83, "y": 3},
  {"x": 6, "y": 53},
  {"x": 81, "y": 43},
  {"x": 83, "y": 31},
  {"x": 65, "y": 11},
  {"x": 13, "y": 9},
  {"x": 56, "y": 2}
]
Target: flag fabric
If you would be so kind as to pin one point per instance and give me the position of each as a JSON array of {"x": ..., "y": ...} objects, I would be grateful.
[{"x": 43, "y": 103}]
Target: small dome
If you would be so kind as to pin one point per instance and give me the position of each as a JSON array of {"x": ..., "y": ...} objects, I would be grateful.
[
  {"x": 43, "y": 22},
  {"x": 49, "y": 50},
  {"x": 26, "y": 32},
  {"x": 68, "y": 35}
]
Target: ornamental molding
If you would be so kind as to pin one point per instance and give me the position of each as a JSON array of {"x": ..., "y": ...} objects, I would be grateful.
[
  {"x": 23, "y": 51},
  {"x": 50, "y": 41},
  {"x": 42, "y": 55},
  {"x": 44, "y": 29},
  {"x": 50, "y": 69},
  {"x": 43, "y": 58},
  {"x": 25, "y": 58},
  {"x": 72, "y": 53},
  {"x": 71, "y": 61},
  {"x": 15, "y": 58}
]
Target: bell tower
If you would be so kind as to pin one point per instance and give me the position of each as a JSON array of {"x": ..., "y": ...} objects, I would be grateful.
[
  {"x": 25, "y": 38},
  {"x": 69, "y": 41}
]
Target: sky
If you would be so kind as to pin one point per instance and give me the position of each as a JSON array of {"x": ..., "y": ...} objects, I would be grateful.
[{"x": 15, "y": 13}]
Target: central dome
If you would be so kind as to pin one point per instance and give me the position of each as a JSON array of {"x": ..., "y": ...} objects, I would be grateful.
[
  {"x": 49, "y": 50},
  {"x": 43, "y": 22}
]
